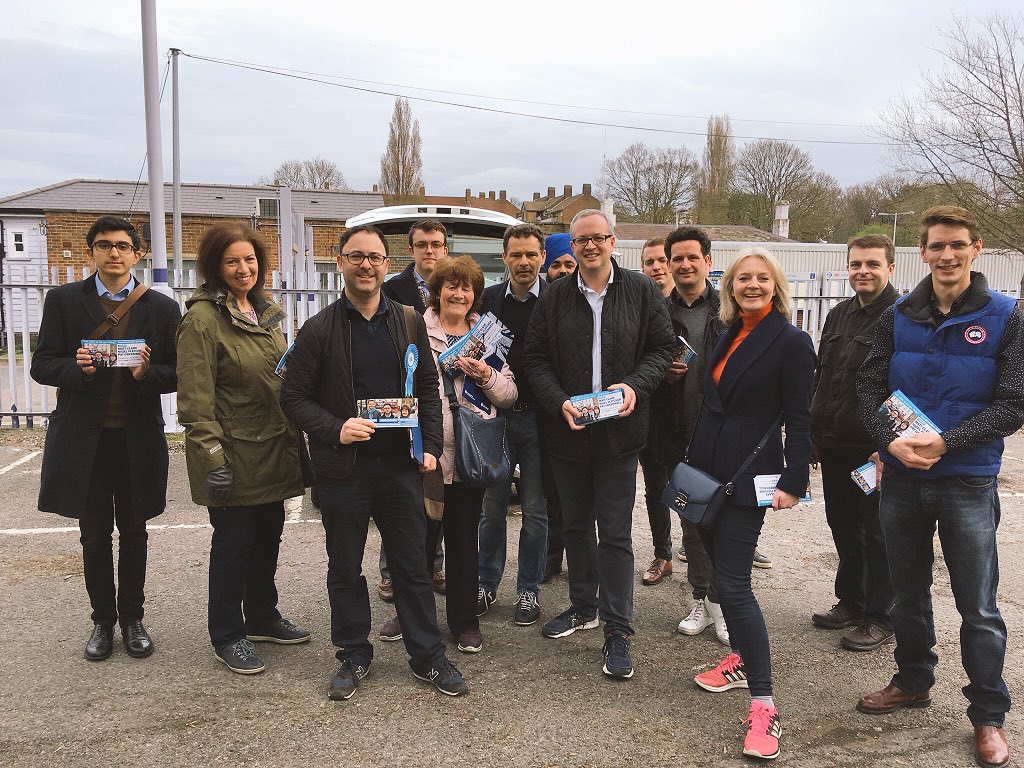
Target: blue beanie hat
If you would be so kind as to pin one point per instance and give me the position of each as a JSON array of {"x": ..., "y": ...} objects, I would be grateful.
[{"x": 556, "y": 246}]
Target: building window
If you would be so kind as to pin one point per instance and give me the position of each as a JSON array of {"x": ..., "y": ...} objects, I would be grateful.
[
  {"x": 19, "y": 242},
  {"x": 268, "y": 207}
]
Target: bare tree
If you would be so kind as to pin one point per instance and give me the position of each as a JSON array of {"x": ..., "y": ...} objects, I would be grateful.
[
  {"x": 768, "y": 171},
  {"x": 401, "y": 167},
  {"x": 714, "y": 177},
  {"x": 315, "y": 172},
  {"x": 648, "y": 185},
  {"x": 965, "y": 128}
]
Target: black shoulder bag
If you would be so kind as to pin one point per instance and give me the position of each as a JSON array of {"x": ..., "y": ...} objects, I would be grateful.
[
  {"x": 696, "y": 496},
  {"x": 481, "y": 457}
]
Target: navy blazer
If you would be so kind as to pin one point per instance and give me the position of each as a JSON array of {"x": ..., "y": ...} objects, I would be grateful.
[
  {"x": 403, "y": 289},
  {"x": 770, "y": 372},
  {"x": 494, "y": 297}
]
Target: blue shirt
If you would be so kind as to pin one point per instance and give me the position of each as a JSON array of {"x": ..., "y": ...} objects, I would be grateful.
[{"x": 104, "y": 292}]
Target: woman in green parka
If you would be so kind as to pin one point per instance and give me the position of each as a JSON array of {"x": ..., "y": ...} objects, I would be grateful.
[{"x": 241, "y": 452}]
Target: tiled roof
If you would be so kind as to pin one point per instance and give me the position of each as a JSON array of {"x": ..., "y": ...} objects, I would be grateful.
[
  {"x": 736, "y": 233},
  {"x": 102, "y": 196}
]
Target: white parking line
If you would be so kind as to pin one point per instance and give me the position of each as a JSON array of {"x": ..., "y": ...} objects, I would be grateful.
[
  {"x": 74, "y": 529},
  {"x": 19, "y": 462}
]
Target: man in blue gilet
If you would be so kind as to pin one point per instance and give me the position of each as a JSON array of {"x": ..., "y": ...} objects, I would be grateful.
[{"x": 955, "y": 349}]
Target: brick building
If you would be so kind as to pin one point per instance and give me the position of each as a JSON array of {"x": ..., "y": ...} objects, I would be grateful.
[{"x": 553, "y": 212}]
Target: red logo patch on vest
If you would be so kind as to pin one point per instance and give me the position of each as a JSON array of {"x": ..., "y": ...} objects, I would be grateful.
[{"x": 975, "y": 334}]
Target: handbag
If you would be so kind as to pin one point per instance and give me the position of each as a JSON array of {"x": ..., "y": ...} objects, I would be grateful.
[
  {"x": 481, "y": 456},
  {"x": 696, "y": 496}
]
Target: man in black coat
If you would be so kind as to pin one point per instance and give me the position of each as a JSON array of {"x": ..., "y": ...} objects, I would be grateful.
[
  {"x": 607, "y": 328},
  {"x": 354, "y": 350},
  {"x": 862, "y": 586},
  {"x": 428, "y": 242},
  {"x": 106, "y": 455}
]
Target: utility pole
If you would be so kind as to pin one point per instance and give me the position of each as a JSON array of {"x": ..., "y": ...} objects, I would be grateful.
[
  {"x": 175, "y": 164},
  {"x": 151, "y": 83},
  {"x": 895, "y": 219}
]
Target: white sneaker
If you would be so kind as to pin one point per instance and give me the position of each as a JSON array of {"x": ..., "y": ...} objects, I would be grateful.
[
  {"x": 697, "y": 621},
  {"x": 715, "y": 612}
]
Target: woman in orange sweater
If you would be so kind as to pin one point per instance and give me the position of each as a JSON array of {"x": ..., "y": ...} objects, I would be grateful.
[{"x": 759, "y": 377}]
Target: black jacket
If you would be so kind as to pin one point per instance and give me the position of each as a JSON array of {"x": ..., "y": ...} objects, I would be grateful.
[
  {"x": 636, "y": 349},
  {"x": 669, "y": 436},
  {"x": 771, "y": 372},
  {"x": 403, "y": 289},
  {"x": 70, "y": 313},
  {"x": 317, "y": 395},
  {"x": 846, "y": 339}
]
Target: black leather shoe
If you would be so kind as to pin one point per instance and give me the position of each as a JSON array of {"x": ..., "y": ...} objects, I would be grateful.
[
  {"x": 101, "y": 643},
  {"x": 136, "y": 640}
]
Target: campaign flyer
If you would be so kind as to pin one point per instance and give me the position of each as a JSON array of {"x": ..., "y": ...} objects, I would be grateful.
[
  {"x": 866, "y": 477},
  {"x": 764, "y": 489},
  {"x": 597, "y": 406},
  {"x": 122, "y": 353},
  {"x": 390, "y": 411},
  {"x": 904, "y": 417},
  {"x": 489, "y": 337},
  {"x": 282, "y": 364},
  {"x": 684, "y": 353}
]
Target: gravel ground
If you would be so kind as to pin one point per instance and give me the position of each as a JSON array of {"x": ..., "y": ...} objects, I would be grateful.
[{"x": 533, "y": 701}]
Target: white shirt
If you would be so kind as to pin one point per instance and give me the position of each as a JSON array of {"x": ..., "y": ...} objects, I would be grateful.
[
  {"x": 596, "y": 301},
  {"x": 534, "y": 289}
]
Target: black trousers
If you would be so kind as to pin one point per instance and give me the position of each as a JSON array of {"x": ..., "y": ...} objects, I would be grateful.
[
  {"x": 556, "y": 543},
  {"x": 862, "y": 579},
  {"x": 390, "y": 489},
  {"x": 109, "y": 499},
  {"x": 655, "y": 480},
  {"x": 460, "y": 527},
  {"x": 243, "y": 564}
]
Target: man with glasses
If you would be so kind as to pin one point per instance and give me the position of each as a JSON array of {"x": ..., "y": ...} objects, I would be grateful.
[
  {"x": 956, "y": 350},
  {"x": 428, "y": 242},
  {"x": 605, "y": 328},
  {"x": 105, "y": 458},
  {"x": 354, "y": 350}
]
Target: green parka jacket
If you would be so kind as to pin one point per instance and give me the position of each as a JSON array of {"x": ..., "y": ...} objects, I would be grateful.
[{"x": 228, "y": 400}]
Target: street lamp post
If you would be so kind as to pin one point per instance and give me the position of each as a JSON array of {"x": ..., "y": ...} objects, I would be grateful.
[{"x": 895, "y": 219}]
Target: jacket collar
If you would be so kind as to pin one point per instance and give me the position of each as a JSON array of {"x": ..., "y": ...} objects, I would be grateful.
[
  {"x": 744, "y": 358},
  {"x": 917, "y": 305}
]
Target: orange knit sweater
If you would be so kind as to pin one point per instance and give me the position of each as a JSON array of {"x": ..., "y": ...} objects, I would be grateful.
[{"x": 749, "y": 323}]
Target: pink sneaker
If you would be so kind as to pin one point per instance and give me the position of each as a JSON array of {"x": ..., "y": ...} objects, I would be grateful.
[
  {"x": 764, "y": 730},
  {"x": 728, "y": 674}
]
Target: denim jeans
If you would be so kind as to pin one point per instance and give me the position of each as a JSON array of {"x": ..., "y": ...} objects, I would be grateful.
[
  {"x": 966, "y": 512},
  {"x": 730, "y": 545},
  {"x": 862, "y": 579},
  {"x": 524, "y": 449}
]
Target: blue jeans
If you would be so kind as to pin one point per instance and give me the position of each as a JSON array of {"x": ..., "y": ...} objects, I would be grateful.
[
  {"x": 966, "y": 512},
  {"x": 524, "y": 449}
]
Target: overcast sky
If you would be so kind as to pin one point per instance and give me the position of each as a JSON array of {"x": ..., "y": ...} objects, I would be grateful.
[{"x": 71, "y": 77}]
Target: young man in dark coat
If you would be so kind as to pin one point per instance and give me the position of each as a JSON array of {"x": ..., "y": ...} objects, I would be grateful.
[{"x": 105, "y": 458}]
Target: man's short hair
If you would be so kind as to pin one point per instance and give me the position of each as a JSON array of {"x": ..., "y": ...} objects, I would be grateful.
[
  {"x": 348, "y": 233},
  {"x": 654, "y": 242},
  {"x": 113, "y": 224},
  {"x": 951, "y": 216},
  {"x": 873, "y": 241},
  {"x": 688, "y": 233},
  {"x": 522, "y": 230},
  {"x": 428, "y": 225},
  {"x": 591, "y": 212}
]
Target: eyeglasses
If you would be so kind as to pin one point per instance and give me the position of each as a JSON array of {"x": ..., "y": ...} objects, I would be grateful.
[
  {"x": 579, "y": 242},
  {"x": 105, "y": 246},
  {"x": 437, "y": 245},
  {"x": 958, "y": 246},
  {"x": 355, "y": 258}
]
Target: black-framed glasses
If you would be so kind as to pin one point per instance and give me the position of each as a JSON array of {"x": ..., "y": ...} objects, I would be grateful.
[
  {"x": 355, "y": 258},
  {"x": 423, "y": 245},
  {"x": 579, "y": 242},
  {"x": 958, "y": 246},
  {"x": 105, "y": 246}
]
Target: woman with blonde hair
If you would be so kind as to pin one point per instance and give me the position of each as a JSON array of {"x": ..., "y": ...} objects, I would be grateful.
[{"x": 758, "y": 379}]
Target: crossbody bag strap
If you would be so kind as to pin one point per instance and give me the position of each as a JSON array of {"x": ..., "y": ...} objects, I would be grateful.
[
  {"x": 743, "y": 467},
  {"x": 115, "y": 317}
]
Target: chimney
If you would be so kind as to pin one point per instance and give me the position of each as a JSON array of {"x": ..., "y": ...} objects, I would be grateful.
[
  {"x": 375, "y": 188},
  {"x": 491, "y": 194},
  {"x": 586, "y": 189},
  {"x": 469, "y": 194},
  {"x": 423, "y": 191},
  {"x": 551, "y": 191},
  {"x": 567, "y": 190},
  {"x": 483, "y": 195},
  {"x": 536, "y": 195},
  {"x": 608, "y": 209},
  {"x": 780, "y": 226},
  {"x": 501, "y": 195}
]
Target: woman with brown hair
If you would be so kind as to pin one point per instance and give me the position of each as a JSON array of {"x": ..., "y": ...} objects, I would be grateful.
[{"x": 241, "y": 452}]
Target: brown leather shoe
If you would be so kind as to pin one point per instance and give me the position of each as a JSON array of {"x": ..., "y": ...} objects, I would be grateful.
[
  {"x": 839, "y": 616},
  {"x": 891, "y": 698},
  {"x": 657, "y": 570},
  {"x": 867, "y": 637},
  {"x": 990, "y": 747}
]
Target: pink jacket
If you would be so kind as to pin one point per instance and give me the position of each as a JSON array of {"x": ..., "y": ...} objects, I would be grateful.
[{"x": 501, "y": 390}]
